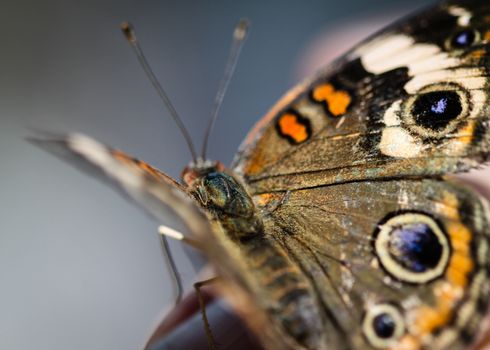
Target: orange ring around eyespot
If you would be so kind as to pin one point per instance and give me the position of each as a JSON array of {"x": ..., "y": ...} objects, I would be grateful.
[
  {"x": 486, "y": 36},
  {"x": 448, "y": 293}
]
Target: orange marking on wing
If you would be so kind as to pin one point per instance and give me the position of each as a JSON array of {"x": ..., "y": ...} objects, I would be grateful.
[
  {"x": 256, "y": 164},
  {"x": 460, "y": 238},
  {"x": 289, "y": 125},
  {"x": 264, "y": 198},
  {"x": 428, "y": 319},
  {"x": 338, "y": 101},
  {"x": 124, "y": 158},
  {"x": 478, "y": 54},
  {"x": 468, "y": 132},
  {"x": 448, "y": 293},
  {"x": 283, "y": 102},
  {"x": 148, "y": 169},
  {"x": 457, "y": 275},
  {"x": 449, "y": 207},
  {"x": 407, "y": 342},
  {"x": 486, "y": 36},
  {"x": 461, "y": 262},
  {"x": 257, "y": 159}
]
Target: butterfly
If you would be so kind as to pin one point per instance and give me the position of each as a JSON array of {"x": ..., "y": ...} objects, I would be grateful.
[{"x": 338, "y": 226}]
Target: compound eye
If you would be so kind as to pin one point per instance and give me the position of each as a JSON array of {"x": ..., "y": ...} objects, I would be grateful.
[
  {"x": 382, "y": 325},
  {"x": 463, "y": 39},
  {"x": 412, "y": 247}
]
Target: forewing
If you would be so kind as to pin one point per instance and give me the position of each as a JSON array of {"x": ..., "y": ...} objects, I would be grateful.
[
  {"x": 153, "y": 190},
  {"x": 416, "y": 250},
  {"x": 411, "y": 101}
]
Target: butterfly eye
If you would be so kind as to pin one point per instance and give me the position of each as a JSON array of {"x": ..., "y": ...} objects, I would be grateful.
[
  {"x": 463, "y": 39},
  {"x": 412, "y": 247},
  {"x": 382, "y": 325}
]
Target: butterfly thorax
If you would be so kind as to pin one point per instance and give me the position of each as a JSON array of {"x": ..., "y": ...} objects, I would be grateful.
[
  {"x": 225, "y": 198},
  {"x": 268, "y": 272}
]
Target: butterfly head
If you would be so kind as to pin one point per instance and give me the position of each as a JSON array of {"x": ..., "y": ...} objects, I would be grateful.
[
  {"x": 224, "y": 197},
  {"x": 198, "y": 169}
]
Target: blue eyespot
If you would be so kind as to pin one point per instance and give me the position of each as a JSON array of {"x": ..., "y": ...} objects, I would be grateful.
[
  {"x": 412, "y": 247},
  {"x": 415, "y": 246},
  {"x": 463, "y": 39},
  {"x": 440, "y": 106},
  {"x": 435, "y": 110},
  {"x": 384, "y": 325}
]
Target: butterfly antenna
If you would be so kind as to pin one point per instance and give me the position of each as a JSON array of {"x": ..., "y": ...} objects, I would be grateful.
[
  {"x": 128, "y": 32},
  {"x": 239, "y": 36}
]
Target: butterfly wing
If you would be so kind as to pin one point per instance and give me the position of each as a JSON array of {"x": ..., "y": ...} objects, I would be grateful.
[
  {"x": 411, "y": 101},
  {"x": 160, "y": 195},
  {"x": 368, "y": 116},
  {"x": 153, "y": 190},
  {"x": 393, "y": 264}
]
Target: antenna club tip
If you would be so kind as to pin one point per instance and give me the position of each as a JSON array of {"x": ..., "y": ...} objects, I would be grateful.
[
  {"x": 241, "y": 29},
  {"x": 128, "y": 31}
]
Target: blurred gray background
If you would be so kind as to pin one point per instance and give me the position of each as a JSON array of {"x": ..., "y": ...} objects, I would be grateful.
[{"x": 79, "y": 267}]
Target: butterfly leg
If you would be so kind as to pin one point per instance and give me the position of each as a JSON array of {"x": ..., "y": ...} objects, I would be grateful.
[
  {"x": 172, "y": 233},
  {"x": 172, "y": 266},
  {"x": 202, "y": 306},
  {"x": 165, "y": 232}
]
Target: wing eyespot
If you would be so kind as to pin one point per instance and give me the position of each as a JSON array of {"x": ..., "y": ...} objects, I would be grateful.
[
  {"x": 383, "y": 325},
  {"x": 436, "y": 110},
  {"x": 412, "y": 247},
  {"x": 463, "y": 39}
]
